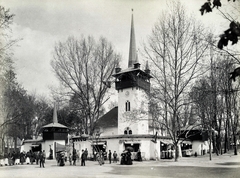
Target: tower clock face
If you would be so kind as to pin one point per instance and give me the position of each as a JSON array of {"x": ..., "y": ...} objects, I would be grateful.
[{"x": 126, "y": 93}]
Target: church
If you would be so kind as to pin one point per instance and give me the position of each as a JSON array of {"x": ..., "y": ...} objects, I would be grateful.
[{"x": 128, "y": 125}]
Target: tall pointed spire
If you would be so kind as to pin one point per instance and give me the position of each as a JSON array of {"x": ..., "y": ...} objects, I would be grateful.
[
  {"x": 132, "y": 48},
  {"x": 55, "y": 119}
]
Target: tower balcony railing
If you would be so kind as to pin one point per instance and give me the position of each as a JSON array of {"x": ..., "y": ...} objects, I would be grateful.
[{"x": 128, "y": 84}]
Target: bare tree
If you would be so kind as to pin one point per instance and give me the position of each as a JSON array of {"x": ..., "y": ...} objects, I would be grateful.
[
  {"x": 81, "y": 66},
  {"x": 6, "y": 19},
  {"x": 176, "y": 50}
]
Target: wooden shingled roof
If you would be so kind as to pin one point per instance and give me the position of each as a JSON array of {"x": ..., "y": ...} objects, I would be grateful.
[{"x": 110, "y": 119}]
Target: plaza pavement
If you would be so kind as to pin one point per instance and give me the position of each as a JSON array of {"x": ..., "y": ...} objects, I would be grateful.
[{"x": 94, "y": 170}]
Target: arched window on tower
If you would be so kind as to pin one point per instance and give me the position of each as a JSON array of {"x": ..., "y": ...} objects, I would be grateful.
[
  {"x": 127, "y": 131},
  {"x": 127, "y": 106},
  {"x": 130, "y": 132}
]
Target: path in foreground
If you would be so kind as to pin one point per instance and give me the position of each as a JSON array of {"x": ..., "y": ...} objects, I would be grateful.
[{"x": 226, "y": 166}]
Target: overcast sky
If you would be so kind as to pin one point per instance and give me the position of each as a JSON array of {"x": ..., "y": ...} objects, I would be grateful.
[{"x": 42, "y": 23}]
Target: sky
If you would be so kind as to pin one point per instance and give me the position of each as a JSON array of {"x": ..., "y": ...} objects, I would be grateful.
[{"x": 40, "y": 24}]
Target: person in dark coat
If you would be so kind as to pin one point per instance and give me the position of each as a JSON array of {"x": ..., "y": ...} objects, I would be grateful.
[
  {"x": 123, "y": 158},
  {"x": 83, "y": 158},
  {"x": 31, "y": 156},
  {"x": 62, "y": 158},
  {"x": 110, "y": 156},
  {"x": 86, "y": 154},
  {"x": 128, "y": 157},
  {"x": 22, "y": 157},
  {"x": 13, "y": 157},
  {"x": 41, "y": 159},
  {"x": 74, "y": 156}
]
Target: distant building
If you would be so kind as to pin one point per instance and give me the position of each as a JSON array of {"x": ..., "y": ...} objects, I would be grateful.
[
  {"x": 54, "y": 138},
  {"x": 195, "y": 140}
]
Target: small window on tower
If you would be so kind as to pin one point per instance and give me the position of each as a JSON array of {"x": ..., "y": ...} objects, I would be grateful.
[
  {"x": 127, "y": 105},
  {"x": 127, "y": 131}
]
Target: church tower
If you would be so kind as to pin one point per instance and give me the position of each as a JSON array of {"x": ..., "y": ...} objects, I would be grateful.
[{"x": 133, "y": 86}]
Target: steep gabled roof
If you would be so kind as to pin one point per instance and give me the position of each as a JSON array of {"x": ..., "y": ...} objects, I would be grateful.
[{"x": 110, "y": 119}]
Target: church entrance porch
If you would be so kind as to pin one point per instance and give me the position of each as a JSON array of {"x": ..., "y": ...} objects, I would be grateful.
[{"x": 134, "y": 147}]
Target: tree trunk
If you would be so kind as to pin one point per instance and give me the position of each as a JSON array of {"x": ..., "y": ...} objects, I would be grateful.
[
  {"x": 235, "y": 144},
  {"x": 210, "y": 145},
  {"x": 210, "y": 151},
  {"x": 226, "y": 140},
  {"x": 176, "y": 152},
  {"x": 15, "y": 143}
]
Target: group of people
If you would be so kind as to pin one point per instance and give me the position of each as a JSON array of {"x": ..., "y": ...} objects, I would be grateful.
[
  {"x": 110, "y": 156},
  {"x": 15, "y": 158},
  {"x": 40, "y": 156},
  {"x": 126, "y": 158},
  {"x": 101, "y": 156},
  {"x": 72, "y": 157}
]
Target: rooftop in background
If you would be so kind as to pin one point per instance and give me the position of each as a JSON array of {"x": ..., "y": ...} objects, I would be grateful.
[{"x": 110, "y": 119}]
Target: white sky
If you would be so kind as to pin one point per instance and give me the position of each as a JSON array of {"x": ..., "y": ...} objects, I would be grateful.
[{"x": 42, "y": 23}]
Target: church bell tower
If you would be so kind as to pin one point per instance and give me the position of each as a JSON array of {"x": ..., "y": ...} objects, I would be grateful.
[{"x": 133, "y": 86}]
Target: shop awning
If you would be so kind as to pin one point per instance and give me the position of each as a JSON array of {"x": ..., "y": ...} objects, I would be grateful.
[
  {"x": 34, "y": 145},
  {"x": 167, "y": 142},
  {"x": 99, "y": 143},
  {"x": 132, "y": 142},
  {"x": 59, "y": 147},
  {"x": 187, "y": 142}
]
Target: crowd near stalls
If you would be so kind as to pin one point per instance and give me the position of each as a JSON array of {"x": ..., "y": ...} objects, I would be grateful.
[{"x": 20, "y": 158}]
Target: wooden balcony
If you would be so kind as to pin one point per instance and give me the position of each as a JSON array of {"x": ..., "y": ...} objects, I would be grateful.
[{"x": 131, "y": 83}]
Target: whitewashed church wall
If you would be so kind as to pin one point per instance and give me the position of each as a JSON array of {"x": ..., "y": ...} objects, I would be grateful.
[
  {"x": 109, "y": 131},
  {"x": 136, "y": 120},
  {"x": 145, "y": 149},
  {"x": 113, "y": 145}
]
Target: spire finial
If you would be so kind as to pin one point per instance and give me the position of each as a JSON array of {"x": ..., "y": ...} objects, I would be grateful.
[{"x": 55, "y": 119}]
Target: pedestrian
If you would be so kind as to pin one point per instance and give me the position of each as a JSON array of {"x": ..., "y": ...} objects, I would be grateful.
[
  {"x": 10, "y": 159},
  {"x": 83, "y": 158},
  {"x": 110, "y": 156},
  {"x": 86, "y": 153},
  {"x": 37, "y": 157},
  {"x": 74, "y": 156},
  {"x": 123, "y": 158},
  {"x": 70, "y": 158},
  {"x": 41, "y": 159},
  {"x": 17, "y": 158},
  {"x": 128, "y": 158},
  {"x": 31, "y": 156},
  {"x": 44, "y": 154},
  {"x": 114, "y": 156},
  {"x": 21, "y": 158},
  {"x": 139, "y": 156},
  {"x": 13, "y": 157}
]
